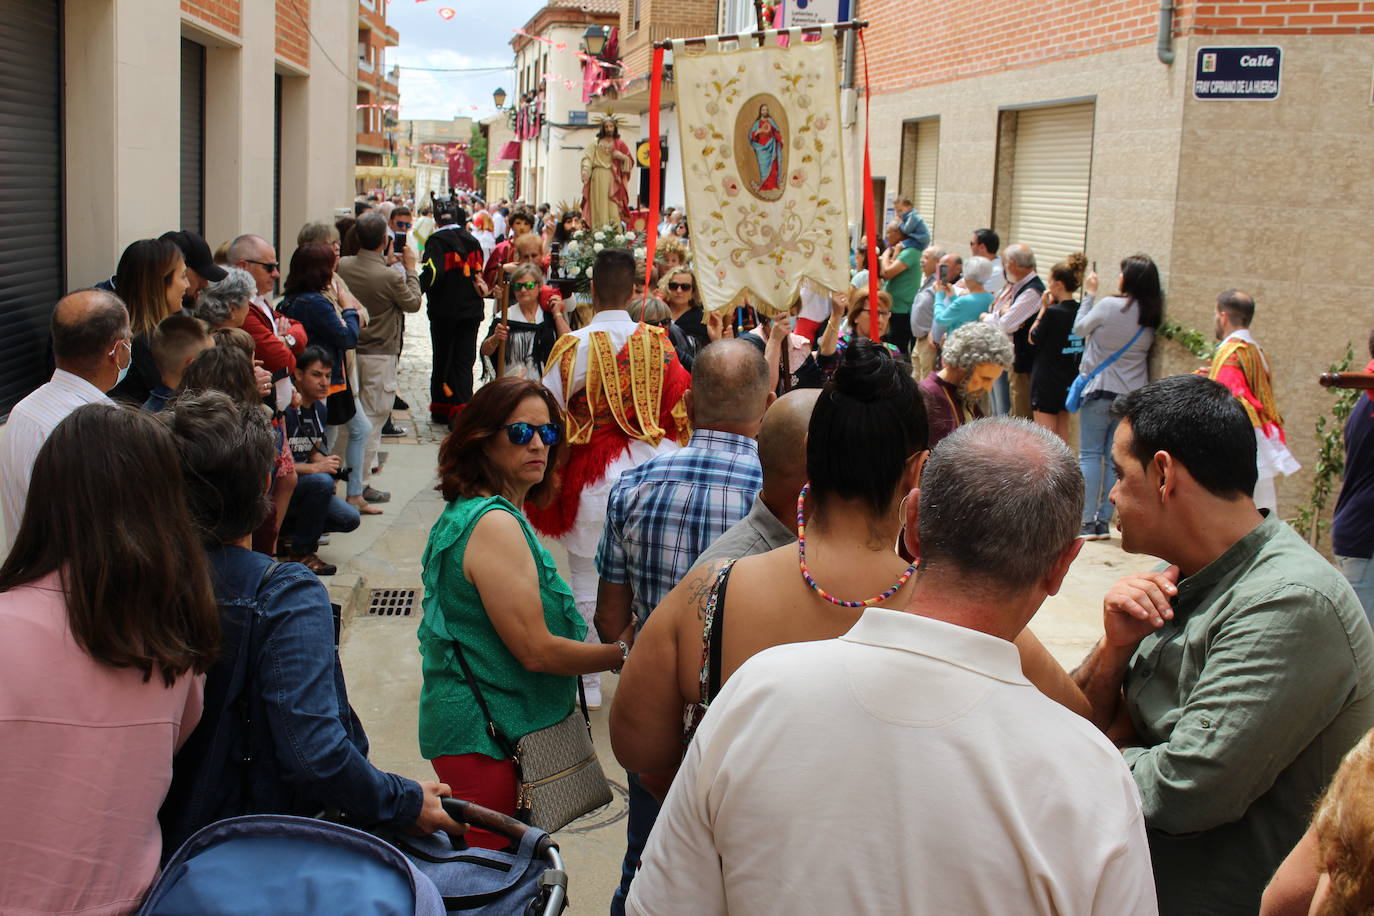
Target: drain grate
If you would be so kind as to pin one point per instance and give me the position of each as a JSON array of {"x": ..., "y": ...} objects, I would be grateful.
[{"x": 391, "y": 602}]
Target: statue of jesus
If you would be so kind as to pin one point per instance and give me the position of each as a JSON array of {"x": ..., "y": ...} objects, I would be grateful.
[{"x": 606, "y": 169}]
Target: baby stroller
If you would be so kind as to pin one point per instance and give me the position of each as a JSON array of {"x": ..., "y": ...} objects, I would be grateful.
[{"x": 261, "y": 864}]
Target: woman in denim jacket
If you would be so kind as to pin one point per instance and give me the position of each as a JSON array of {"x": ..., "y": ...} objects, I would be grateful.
[
  {"x": 278, "y": 735},
  {"x": 335, "y": 329}
]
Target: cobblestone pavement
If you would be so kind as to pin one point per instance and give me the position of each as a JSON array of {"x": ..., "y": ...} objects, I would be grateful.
[{"x": 412, "y": 378}]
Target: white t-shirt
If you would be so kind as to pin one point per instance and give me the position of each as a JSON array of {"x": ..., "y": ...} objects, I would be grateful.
[{"x": 908, "y": 767}]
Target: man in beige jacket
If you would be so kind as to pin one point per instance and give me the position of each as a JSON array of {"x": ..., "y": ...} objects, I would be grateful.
[{"x": 386, "y": 293}]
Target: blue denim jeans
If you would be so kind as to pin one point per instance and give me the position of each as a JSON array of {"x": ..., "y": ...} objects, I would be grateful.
[
  {"x": 1359, "y": 572},
  {"x": 359, "y": 428},
  {"x": 639, "y": 824},
  {"x": 1096, "y": 427},
  {"x": 999, "y": 399},
  {"x": 313, "y": 510}
]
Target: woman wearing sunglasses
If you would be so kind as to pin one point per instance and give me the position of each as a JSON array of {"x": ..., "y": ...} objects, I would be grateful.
[
  {"x": 678, "y": 288},
  {"x": 530, "y": 330},
  {"x": 492, "y": 590}
]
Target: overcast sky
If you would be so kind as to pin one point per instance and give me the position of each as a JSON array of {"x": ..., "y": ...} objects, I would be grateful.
[{"x": 478, "y": 35}]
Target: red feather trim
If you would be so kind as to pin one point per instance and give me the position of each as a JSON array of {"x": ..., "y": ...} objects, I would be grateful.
[{"x": 588, "y": 463}]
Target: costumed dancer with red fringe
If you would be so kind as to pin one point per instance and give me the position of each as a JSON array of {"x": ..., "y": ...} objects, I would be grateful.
[
  {"x": 451, "y": 280},
  {"x": 621, "y": 387}
]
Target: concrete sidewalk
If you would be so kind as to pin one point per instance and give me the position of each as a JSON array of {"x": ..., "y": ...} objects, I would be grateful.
[{"x": 380, "y": 651}]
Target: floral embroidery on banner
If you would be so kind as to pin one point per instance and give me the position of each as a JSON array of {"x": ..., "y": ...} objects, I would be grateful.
[{"x": 764, "y": 167}]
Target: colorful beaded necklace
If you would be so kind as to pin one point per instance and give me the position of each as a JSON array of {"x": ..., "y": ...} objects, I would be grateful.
[{"x": 811, "y": 581}]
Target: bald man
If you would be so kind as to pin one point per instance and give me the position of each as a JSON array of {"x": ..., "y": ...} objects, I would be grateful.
[
  {"x": 771, "y": 521},
  {"x": 91, "y": 343},
  {"x": 661, "y": 515}
]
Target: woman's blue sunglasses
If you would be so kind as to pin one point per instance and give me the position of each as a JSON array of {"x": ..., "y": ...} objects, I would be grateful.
[{"x": 522, "y": 433}]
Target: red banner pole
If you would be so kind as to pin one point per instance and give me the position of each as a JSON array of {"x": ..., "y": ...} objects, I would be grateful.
[
  {"x": 655, "y": 157},
  {"x": 869, "y": 218}
]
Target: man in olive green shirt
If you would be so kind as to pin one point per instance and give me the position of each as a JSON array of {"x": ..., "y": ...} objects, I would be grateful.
[{"x": 1236, "y": 678}]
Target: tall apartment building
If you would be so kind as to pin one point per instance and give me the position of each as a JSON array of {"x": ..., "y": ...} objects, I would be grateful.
[
  {"x": 123, "y": 119},
  {"x": 379, "y": 93},
  {"x": 552, "y": 122}
]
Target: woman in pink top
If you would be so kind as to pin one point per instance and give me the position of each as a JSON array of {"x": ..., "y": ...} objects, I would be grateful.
[{"x": 107, "y": 623}]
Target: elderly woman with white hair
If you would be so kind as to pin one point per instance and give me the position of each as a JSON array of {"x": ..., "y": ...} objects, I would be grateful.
[
  {"x": 974, "y": 357},
  {"x": 953, "y": 312},
  {"x": 225, "y": 304}
]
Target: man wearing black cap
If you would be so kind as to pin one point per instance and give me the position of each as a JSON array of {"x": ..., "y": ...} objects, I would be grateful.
[
  {"x": 451, "y": 279},
  {"x": 201, "y": 269}
]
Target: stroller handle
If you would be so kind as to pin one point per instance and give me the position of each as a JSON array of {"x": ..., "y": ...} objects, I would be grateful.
[{"x": 493, "y": 821}]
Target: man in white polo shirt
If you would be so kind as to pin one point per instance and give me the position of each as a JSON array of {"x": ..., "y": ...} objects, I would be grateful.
[
  {"x": 910, "y": 766},
  {"x": 90, "y": 340}
]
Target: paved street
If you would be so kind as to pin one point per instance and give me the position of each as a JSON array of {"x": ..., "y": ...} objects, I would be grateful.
[{"x": 382, "y": 662}]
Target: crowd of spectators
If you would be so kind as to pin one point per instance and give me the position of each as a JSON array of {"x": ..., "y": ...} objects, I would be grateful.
[{"x": 814, "y": 553}]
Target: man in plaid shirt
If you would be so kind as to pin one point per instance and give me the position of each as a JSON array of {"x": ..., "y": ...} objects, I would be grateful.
[{"x": 664, "y": 513}]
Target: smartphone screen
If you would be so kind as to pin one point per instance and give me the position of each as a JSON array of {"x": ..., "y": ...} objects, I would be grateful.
[
  {"x": 1094, "y": 267},
  {"x": 944, "y": 273},
  {"x": 398, "y": 242}
]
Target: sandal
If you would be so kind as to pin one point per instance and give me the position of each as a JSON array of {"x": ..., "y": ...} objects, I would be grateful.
[{"x": 363, "y": 506}]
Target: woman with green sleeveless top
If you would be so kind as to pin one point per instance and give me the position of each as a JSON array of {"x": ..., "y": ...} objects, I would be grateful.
[{"x": 492, "y": 588}]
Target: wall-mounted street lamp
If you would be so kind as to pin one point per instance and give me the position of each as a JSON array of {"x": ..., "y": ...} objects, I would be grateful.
[
  {"x": 499, "y": 97},
  {"x": 594, "y": 39}
]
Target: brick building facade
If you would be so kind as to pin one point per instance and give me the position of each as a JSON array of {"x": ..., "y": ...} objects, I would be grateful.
[{"x": 1077, "y": 128}]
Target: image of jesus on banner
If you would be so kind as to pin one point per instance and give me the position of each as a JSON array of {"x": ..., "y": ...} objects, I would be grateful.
[{"x": 766, "y": 139}]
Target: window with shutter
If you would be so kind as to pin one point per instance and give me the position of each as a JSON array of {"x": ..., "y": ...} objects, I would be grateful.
[
  {"x": 1051, "y": 169},
  {"x": 31, "y": 207},
  {"x": 920, "y": 156}
]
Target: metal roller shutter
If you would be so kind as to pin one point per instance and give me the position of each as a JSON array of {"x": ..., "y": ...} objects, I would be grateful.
[
  {"x": 31, "y": 249},
  {"x": 1049, "y": 184},
  {"x": 192, "y": 136},
  {"x": 276, "y": 163},
  {"x": 927, "y": 157}
]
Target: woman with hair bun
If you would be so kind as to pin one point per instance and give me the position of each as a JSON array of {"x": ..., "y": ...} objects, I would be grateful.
[
  {"x": 849, "y": 524},
  {"x": 1058, "y": 349}
]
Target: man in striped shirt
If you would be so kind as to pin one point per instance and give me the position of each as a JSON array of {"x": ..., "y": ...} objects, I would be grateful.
[
  {"x": 663, "y": 514},
  {"x": 91, "y": 343}
]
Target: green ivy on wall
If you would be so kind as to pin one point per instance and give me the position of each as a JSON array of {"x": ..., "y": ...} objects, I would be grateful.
[
  {"x": 1330, "y": 457},
  {"x": 1191, "y": 339}
]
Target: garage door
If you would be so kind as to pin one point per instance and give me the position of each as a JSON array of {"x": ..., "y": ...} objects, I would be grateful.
[
  {"x": 31, "y": 253},
  {"x": 1050, "y": 175}
]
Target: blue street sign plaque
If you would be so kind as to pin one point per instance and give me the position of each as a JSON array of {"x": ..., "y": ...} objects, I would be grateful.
[{"x": 1230, "y": 74}]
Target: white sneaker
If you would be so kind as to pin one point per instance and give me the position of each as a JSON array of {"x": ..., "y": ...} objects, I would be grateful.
[{"x": 591, "y": 686}]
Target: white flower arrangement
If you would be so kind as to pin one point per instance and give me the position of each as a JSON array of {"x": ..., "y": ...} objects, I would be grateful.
[{"x": 579, "y": 254}]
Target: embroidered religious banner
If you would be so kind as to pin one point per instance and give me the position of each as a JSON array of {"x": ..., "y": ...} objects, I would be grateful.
[{"x": 764, "y": 171}]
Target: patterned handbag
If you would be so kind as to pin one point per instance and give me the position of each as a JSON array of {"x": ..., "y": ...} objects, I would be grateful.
[{"x": 560, "y": 777}]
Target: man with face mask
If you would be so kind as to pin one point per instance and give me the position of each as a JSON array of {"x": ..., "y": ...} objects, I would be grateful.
[
  {"x": 975, "y": 356},
  {"x": 91, "y": 343}
]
